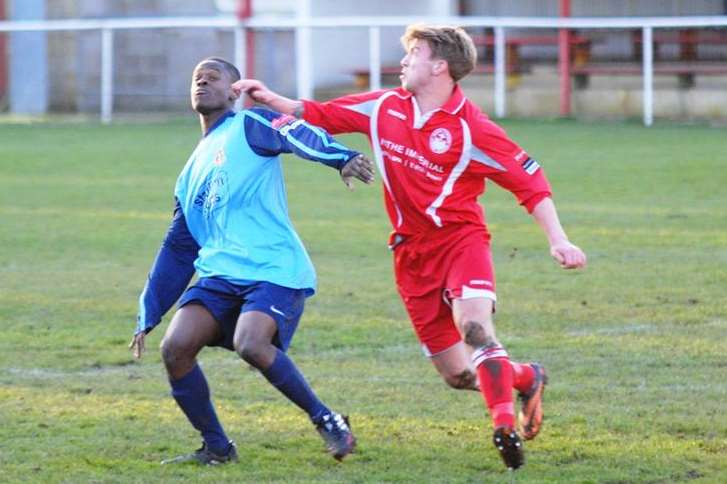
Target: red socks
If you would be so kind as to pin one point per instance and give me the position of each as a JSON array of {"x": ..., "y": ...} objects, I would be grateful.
[
  {"x": 523, "y": 377},
  {"x": 496, "y": 381}
]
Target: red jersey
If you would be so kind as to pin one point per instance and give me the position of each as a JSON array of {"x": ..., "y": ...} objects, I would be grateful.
[{"x": 433, "y": 165}]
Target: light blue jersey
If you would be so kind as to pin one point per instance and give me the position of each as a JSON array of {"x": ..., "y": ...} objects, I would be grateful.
[
  {"x": 231, "y": 201},
  {"x": 236, "y": 208}
]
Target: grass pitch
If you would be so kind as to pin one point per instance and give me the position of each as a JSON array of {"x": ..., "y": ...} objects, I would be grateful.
[{"x": 635, "y": 345}]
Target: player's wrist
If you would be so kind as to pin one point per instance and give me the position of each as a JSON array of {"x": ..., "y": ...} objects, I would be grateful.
[
  {"x": 298, "y": 108},
  {"x": 343, "y": 164},
  {"x": 143, "y": 327}
]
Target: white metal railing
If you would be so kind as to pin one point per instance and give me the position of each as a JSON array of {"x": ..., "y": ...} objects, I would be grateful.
[{"x": 304, "y": 53}]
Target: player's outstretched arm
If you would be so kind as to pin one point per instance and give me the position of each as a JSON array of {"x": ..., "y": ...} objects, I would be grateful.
[
  {"x": 346, "y": 114},
  {"x": 568, "y": 255},
  {"x": 170, "y": 273},
  {"x": 270, "y": 133},
  {"x": 260, "y": 93}
]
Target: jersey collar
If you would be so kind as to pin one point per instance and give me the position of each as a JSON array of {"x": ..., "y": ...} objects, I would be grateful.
[
  {"x": 455, "y": 101},
  {"x": 222, "y": 119},
  {"x": 452, "y": 106}
]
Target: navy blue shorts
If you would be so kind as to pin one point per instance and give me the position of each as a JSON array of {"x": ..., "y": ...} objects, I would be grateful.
[{"x": 226, "y": 301}]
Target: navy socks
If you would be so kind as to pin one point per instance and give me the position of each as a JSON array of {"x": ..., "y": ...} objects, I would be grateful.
[
  {"x": 193, "y": 396},
  {"x": 285, "y": 376}
]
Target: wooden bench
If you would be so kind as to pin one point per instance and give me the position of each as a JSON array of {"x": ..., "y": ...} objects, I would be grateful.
[
  {"x": 514, "y": 66},
  {"x": 362, "y": 77},
  {"x": 687, "y": 39},
  {"x": 580, "y": 46},
  {"x": 685, "y": 70},
  {"x": 686, "y": 65}
]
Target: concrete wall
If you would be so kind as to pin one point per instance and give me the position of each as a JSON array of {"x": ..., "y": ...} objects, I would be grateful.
[
  {"x": 612, "y": 97},
  {"x": 63, "y": 63},
  {"x": 350, "y": 47},
  {"x": 152, "y": 68}
]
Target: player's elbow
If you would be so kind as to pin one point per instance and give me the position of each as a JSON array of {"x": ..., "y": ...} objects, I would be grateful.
[{"x": 534, "y": 200}]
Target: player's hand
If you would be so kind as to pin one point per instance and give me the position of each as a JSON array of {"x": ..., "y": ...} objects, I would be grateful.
[
  {"x": 358, "y": 167},
  {"x": 137, "y": 344},
  {"x": 568, "y": 255},
  {"x": 257, "y": 91}
]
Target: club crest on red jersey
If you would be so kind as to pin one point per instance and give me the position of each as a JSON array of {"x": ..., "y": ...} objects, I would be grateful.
[{"x": 440, "y": 140}]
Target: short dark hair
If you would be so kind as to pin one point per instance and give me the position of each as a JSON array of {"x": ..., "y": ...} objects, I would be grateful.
[{"x": 228, "y": 66}]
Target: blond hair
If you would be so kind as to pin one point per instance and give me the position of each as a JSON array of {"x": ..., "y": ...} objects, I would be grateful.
[{"x": 448, "y": 43}]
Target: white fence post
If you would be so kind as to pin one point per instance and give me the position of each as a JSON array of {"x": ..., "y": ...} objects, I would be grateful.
[
  {"x": 500, "y": 110},
  {"x": 374, "y": 58},
  {"x": 107, "y": 75},
  {"x": 304, "y": 52},
  {"x": 240, "y": 61},
  {"x": 303, "y": 60},
  {"x": 648, "y": 56},
  {"x": 240, "y": 48}
]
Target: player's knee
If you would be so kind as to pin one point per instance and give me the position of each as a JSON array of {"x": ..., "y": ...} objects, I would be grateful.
[
  {"x": 250, "y": 351},
  {"x": 475, "y": 334},
  {"x": 465, "y": 380},
  {"x": 173, "y": 352}
]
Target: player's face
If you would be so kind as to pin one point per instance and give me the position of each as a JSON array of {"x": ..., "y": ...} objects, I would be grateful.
[
  {"x": 417, "y": 66},
  {"x": 210, "y": 88}
]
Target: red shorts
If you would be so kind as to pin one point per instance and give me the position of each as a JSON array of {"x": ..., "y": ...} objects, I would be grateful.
[{"x": 432, "y": 269}]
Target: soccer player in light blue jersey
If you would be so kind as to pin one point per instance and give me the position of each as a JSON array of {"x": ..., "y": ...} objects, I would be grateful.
[{"x": 231, "y": 227}]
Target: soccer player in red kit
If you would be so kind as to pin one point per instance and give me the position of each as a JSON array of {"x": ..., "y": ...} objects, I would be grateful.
[{"x": 435, "y": 149}]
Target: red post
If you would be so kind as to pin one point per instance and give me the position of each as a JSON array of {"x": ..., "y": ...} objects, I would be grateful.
[
  {"x": 3, "y": 57},
  {"x": 564, "y": 62},
  {"x": 244, "y": 12}
]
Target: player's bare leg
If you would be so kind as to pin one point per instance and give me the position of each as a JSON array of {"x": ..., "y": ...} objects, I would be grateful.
[
  {"x": 455, "y": 366},
  {"x": 253, "y": 341},
  {"x": 474, "y": 319},
  {"x": 191, "y": 329}
]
